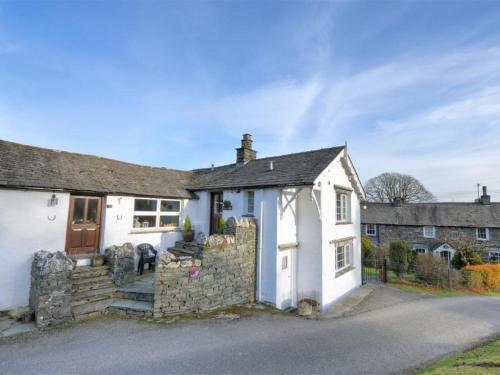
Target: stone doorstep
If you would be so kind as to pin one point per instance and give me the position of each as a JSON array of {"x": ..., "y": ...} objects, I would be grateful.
[{"x": 90, "y": 280}]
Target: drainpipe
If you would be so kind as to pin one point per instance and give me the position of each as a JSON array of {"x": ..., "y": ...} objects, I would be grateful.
[{"x": 261, "y": 235}]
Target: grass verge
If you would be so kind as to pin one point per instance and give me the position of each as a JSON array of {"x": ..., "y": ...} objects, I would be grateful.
[
  {"x": 481, "y": 360},
  {"x": 408, "y": 286}
]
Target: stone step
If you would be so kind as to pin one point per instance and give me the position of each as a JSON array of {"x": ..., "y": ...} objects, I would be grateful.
[
  {"x": 90, "y": 272},
  {"x": 92, "y": 285},
  {"x": 188, "y": 245},
  {"x": 83, "y": 269},
  {"x": 180, "y": 251},
  {"x": 95, "y": 298},
  {"x": 135, "y": 296},
  {"x": 131, "y": 308},
  {"x": 87, "y": 308},
  {"x": 89, "y": 280},
  {"x": 92, "y": 293}
]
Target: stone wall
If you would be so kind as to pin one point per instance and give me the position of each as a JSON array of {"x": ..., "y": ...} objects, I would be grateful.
[
  {"x": 120, "y": 260},
  {"x": 50, "y": 293},
  {"x": 224, "y": 274},
  {"x": 415, "y": 234}
]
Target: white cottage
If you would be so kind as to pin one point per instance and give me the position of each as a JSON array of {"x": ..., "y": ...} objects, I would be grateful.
[{"x": 306, "y": 205}]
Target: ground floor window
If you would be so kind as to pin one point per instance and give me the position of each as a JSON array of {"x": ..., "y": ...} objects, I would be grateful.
[
  {"x": 494, "y": 256},
  {"x": 156, "y": 213},
  {"x": 371, "y": 230},
  {"x": 342, "y": 256}
]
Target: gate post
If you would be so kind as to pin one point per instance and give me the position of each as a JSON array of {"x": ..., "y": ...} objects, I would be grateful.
[{"x": 384, "y": 273}]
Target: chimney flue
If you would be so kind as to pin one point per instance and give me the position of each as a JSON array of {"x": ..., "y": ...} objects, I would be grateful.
[
  {"x": 485, "y": 198},
  {"x": 245, "y": 153},
  {"x": 271, "y": 165},
  {"x": 397, "y": 202}
]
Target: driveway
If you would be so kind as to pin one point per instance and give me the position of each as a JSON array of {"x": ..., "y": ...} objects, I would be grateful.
[{"x": 381, "y": 339}]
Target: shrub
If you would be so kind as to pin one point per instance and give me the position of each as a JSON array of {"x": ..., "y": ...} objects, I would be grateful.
[
  {"x": 434, "y": 270},
  {"x": 187, "y": 224},
  {"x": 366, "y": 247},
  {"x": 221, "y": 225},
  {"x": 484, "y": 276},
  {"x": 466, "y": 255},
  {"x": 398, "y": 257}
]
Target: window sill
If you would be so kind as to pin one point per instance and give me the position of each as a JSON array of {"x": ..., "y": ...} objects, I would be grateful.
[
  {"x": 155, "y": 230},
  {"x": 344, "y": 271},
  {"x": 343, "y": 223}
]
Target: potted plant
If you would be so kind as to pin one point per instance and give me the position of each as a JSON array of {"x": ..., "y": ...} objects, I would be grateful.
[
  {"x": 97, "y": 261},
  {"x": 188, "y": 230}
]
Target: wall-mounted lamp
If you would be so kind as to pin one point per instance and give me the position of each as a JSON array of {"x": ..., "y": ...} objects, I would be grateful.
[{"x": 53, "y": 201}]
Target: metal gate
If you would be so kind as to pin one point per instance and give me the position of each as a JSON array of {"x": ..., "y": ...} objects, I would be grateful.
[{"x": 374, "y": 270}]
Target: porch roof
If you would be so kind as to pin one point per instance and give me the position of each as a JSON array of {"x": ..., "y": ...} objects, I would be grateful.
[{"x": 23, "y": 166}]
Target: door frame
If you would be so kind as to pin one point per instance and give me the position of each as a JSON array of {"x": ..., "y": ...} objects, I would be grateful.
[
  {"x": 100, "y": 215},
  {"x": 212, "y": 202}
]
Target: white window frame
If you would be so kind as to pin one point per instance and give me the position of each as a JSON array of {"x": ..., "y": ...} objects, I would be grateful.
[
  {"x": 427, "y": 235},
  {"x": 494, "y": 253},
  {"x": 486, "y": 233},
  {"x": 250, "y": 197},
  {"x": 342, "y": 209},
  {"x": 371, "y": 233},
  {"x": 455, "y": 235},
  {"x": 346, "y": 250},
  {"x": 157, "y": 214}
]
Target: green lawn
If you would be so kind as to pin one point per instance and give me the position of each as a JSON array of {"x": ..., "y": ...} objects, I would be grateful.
[{"x": 483, "y": 360}]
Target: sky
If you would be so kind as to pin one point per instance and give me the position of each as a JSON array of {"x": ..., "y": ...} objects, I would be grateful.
[{"x": 412, "y": 86}]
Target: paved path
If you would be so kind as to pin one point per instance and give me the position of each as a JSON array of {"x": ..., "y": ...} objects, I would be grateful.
[{"x": 386, "y": 340}]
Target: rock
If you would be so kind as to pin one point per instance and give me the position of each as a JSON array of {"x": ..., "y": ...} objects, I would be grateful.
[
  {"x": 201, "y": 238},
  {"x": 165, "y": 257},
  {"x": 21, "y": 313},
  {"x": 124, "y": 251},
  {"x": 48, "y": 263},
  {"x": 219, "y": 240},
  {"x": 197, "y": 262},
  {"x": 307, "y": 307}
]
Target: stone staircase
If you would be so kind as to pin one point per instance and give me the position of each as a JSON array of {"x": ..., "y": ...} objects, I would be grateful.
[
  {"x": 183, "y": 248},
  {"x": 94, "y": 293}
]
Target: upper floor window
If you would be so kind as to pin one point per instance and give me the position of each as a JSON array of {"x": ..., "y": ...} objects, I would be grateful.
[
  {"x": 482, "y": 234},
  {"x": 343, "y": 207},
  {"x": 429, "y": 232},
  {"x": 371, "y": 230},
  {"x": 156, "y": 213},
  {"x": 455, "y": 235},
  {"x": 250, "y": 202}
]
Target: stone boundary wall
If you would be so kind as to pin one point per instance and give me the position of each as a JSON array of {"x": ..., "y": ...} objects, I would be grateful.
[
  {"x": 50, "y": 292},
  {"x": 120, "y": 260},
  {"x": 223, "y": 276}
]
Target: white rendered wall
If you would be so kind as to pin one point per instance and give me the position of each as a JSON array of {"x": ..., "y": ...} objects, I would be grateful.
[
  {"x": 334, "y": 288},
  {"x": 27, "y": 224},
  {"x": 118, "y": 226},
  {"x": 309, "y": 252},
  {"x": 199, "y": 212}
]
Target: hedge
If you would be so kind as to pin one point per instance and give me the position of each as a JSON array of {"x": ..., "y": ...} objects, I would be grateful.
[{"x": 484, "y": 276}]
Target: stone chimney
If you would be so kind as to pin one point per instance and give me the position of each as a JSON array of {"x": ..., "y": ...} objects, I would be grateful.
[
  {"x": 397, "y": 202},
  {"x": 245, "y": 153},
  {"x": 485, "y": 198}
]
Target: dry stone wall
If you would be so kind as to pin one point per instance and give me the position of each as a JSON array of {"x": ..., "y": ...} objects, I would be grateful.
[
  {"x": 120, "y": 260},
  {"x": 50, "y": 293},
  {"x": 224, "y": 274}
]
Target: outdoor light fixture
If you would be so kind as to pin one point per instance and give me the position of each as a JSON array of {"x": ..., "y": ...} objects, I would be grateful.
[{"x": 53, "y": 201}]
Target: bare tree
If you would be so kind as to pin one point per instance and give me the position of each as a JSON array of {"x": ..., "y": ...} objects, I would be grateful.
[{"x": 387, "y": 186}]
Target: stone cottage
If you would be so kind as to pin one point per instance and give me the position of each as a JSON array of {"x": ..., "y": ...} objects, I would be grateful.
[
  {"x": 306, "y": 207},
  {"x": 435, "y": 227}
]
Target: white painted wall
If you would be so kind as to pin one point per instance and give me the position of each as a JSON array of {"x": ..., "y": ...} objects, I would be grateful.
[
  {"x": 334, "y": 288},
  {"x": 309, "y": 252},
  {"x": 27, "y": 224},
  {"x": 199, "y": 212}
]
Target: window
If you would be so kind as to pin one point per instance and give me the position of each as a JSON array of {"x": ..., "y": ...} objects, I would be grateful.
[
  {"x": 342, "y": 207},
  {"x": 482, "y": 234},
  {"x": 342, "y": 256},
  {"x": 371, "y": 230},
  {"x": 455, "y": 235},
  {"x": 156, "y": 213},
  {"x": 419, "y": 248},
  {"x": 429, "y": 232},
  {"x": 494, "y": 256},
  {"x": 250, "y": 202}
]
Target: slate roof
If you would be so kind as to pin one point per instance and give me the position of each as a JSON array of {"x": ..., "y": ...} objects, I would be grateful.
[
  {"x": 435, "y": 214},
  {"x": 24, "y": 166},
  {"x": 289, "y": 170}
]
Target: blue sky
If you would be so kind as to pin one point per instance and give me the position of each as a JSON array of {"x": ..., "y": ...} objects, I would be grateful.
[{"x": 413, "y": 87}]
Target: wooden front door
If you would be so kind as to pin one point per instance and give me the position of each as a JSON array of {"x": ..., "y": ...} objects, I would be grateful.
[
  {"x": 84, "y": 224},
  {"x": 216, "y": 205}
]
